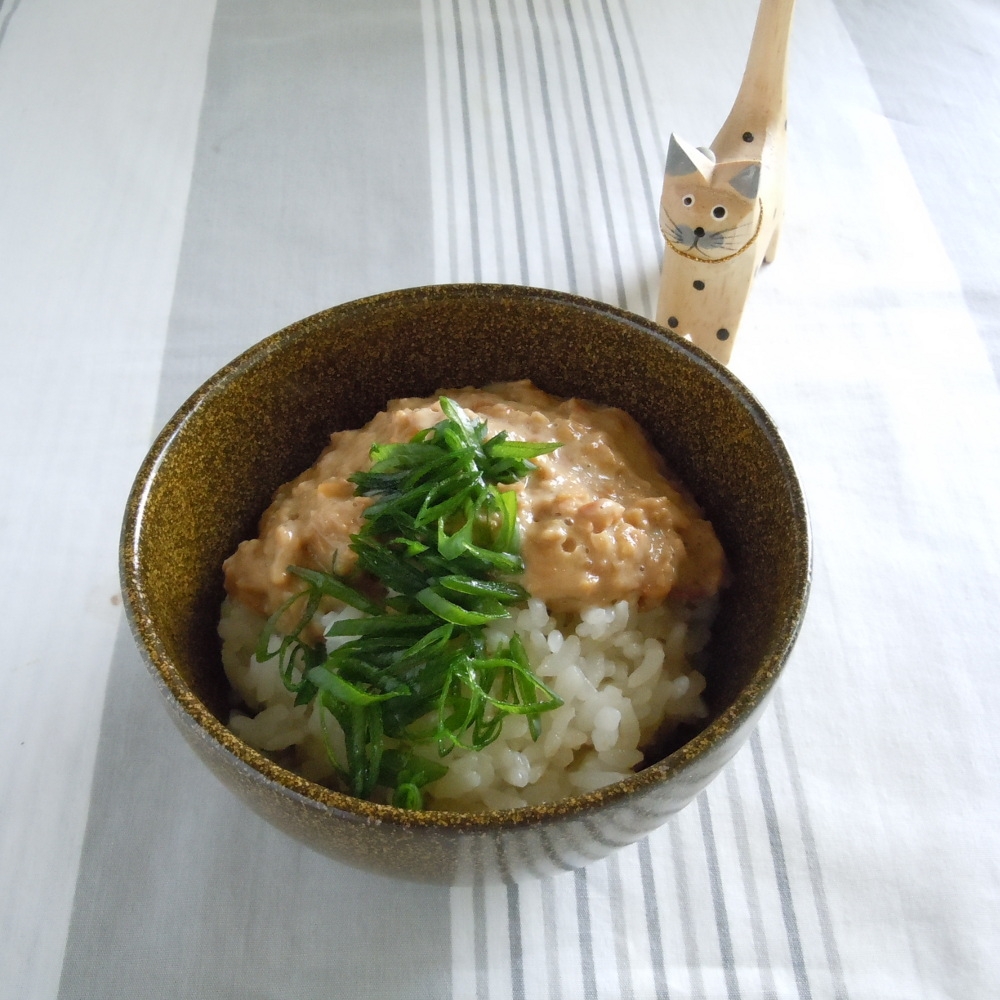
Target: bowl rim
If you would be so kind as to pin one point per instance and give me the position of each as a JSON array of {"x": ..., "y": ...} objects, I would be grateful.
[{"x": 172, "y": 684}]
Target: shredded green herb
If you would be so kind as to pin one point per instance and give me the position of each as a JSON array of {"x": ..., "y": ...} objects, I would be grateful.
[{"x": 441, "y": 537}]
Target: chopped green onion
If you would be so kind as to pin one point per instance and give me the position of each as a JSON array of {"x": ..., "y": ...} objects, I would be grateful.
[{"x": 440, "y": 537}]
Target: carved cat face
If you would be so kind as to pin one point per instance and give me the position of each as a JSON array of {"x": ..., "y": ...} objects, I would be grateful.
[{"x": 708, "y": 210}]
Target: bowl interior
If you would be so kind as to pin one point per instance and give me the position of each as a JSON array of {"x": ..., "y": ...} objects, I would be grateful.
[{"x": 266, "y": 416}]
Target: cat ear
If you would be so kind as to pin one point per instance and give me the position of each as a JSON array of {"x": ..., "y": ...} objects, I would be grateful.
[
  {"x": 747, "y": 180},
  {"x": 683, "y": 159}
]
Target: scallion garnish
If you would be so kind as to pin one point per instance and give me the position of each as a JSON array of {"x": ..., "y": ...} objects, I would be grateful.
[{"x": 441, "y": 537}]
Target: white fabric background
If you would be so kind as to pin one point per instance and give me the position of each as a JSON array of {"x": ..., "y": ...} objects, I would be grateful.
[
  {"x": 869, "y": 341},
  {"x": 99, "y": 108}
]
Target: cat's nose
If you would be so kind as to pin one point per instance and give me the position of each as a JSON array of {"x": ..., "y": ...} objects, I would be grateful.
[{"x": 699, "y": 232}]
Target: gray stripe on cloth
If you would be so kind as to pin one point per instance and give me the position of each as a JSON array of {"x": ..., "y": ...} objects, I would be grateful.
[
  {"x": 653, "y": 929},
  {"x": 616, "y": 106},
  {"x": 812, "y": 855},
  {"x": 585, "y": 927},
  {"x": 445, "y": 121},
  {"x": 757, "y": 929},
  {"x": 515, "y": 944},
  {"x": 491, "y": 153},
  {"x": 550, "y": 134},
  {"x": 616, "y": 903},
  {"x": 516, "y": 948},
  {"x": 684, "y": 910},
  {"x": 551, "y": 949},
  {"x": 655, "y": 135},
  {"x": 780, "y": 869},
  {"x": 596, "y": 145},
  {"x": 652, "y": 121},
  {"x": 470, "y": 172},
  {"x": 7, "y": 16},
  {"x": 648, "y": 279},
  {"x": 522, "y": 55},
  {"x": 479, "y": 940},
  {"x": 190, "y": 892},
  {"x": 508, "y": 128},
  {"x": 651, "y": 197},
  {"x": 580, "y": 213},
  {"x": 577, "y": 88},
  {"x": 718, "y": 898},
  {"x": 278, "y": 226}
]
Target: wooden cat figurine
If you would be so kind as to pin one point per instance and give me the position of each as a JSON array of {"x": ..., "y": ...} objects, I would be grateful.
[{"x": 721, "y": 207}]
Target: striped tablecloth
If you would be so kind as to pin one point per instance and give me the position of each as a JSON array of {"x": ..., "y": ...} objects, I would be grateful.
[{"x": 179, "y": 180}]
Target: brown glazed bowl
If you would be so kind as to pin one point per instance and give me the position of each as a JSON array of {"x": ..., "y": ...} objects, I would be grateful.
[{"x": 266, "y": 416}]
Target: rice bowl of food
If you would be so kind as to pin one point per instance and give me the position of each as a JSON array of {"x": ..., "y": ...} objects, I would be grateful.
[
  {"x": 584, "y": 588},
  {"x": 467, "y": 581}
]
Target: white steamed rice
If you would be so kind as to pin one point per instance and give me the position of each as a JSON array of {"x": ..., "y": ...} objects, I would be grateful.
[{"x": 624, "y": 675}]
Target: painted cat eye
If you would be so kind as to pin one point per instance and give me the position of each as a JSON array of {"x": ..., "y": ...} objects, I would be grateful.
[
  {"x": 688, "y": 200},
  {"x": 719, "y": 212}
]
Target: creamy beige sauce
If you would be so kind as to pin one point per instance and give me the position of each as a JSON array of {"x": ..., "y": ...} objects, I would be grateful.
[{"x": 600, "y": 518}]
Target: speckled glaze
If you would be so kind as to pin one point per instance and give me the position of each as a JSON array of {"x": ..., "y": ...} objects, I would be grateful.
[{"x": 265, "y": 417}]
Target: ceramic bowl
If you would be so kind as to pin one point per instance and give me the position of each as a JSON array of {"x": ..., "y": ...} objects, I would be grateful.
[{"x": 265, "y": 417}]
